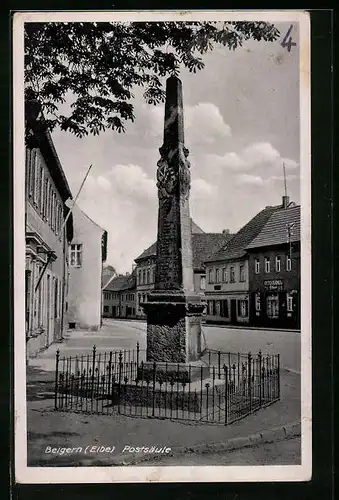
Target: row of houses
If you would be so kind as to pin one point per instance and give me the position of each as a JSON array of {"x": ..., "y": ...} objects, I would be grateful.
[
  {"x": 64, "y": 251},
  {"x": 251, "y": 277}
]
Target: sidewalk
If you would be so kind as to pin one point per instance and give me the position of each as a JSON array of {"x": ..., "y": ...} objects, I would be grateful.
[{"x": 74, "y": 434}]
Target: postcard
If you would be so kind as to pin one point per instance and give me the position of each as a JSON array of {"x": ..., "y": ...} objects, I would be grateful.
[{"x": 162, "y": 246}]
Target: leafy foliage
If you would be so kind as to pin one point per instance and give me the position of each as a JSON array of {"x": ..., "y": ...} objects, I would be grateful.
[{"x": 97, "y": 65}]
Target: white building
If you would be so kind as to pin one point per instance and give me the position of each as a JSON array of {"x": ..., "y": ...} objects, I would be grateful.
[{"x": 87, "y": 252}]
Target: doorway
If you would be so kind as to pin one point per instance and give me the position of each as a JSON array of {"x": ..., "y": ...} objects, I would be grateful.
[
  {"x": 48, "y": 312},
  {"x": 233, "y": 311}
]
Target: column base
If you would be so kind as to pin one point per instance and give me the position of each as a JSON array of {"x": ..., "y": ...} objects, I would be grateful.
[{"x": 173, "y": 326}]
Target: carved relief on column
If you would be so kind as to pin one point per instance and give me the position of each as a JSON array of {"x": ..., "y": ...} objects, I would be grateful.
[
  {"x": 184, "y": 172},
  {"x": 166, "y": 177}
]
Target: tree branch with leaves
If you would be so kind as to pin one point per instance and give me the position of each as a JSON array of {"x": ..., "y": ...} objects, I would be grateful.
[{"x": 92, "y": 68}]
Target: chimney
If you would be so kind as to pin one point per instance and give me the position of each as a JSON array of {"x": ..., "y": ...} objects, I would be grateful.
[{"x": 285, "y": 201}]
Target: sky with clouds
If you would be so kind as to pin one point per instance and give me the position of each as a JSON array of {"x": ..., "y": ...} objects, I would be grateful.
[{"x": 241, "y": 116}]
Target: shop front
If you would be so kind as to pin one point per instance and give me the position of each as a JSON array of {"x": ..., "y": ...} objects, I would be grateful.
[{"x": 274, "y": 306}]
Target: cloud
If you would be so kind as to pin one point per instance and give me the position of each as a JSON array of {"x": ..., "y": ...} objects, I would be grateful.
[
  {"x": 203, "y": 123},
  {"x": 254, "y": 180},
  {"x": 131, "y": 181},
  {"x": 104, "y": 183},
  {"x": 259, "y": 154},
  {"x": 200, "y": 188}
]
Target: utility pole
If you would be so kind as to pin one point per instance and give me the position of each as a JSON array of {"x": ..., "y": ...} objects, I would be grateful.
[{"x": 285, "y": 183}]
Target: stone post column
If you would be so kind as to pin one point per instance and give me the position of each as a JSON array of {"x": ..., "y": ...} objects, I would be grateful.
[{"x": 173, "y": 309}]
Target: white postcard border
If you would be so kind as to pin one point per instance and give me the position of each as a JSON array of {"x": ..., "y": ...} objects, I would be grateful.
[{"x": 29, "y": 475}]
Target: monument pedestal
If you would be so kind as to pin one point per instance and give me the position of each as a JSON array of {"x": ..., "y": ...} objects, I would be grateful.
[{"x": 173, "y": 326}]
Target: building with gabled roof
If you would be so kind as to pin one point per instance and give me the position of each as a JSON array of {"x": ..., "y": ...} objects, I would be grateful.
[
  {"x": 87, "y": 253},
  {"x": 119, "y": 297},
  {"x": 47, "y": 237},
  {"x": 274, "y": 271},
  {"x": 203, "y": 245},
  {"x": 227, "y": 272}
]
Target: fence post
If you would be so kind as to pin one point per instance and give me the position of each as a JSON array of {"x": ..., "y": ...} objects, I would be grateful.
[
  {"x": 138, "y": 349},
  {"x": 153, "y": 395},
  {"x": 250, "y": 379},
  {"x": 119, "y": 379},
  {"x": 109, "y": 373},
  {"x": 226, "y": 394},
  {"x": 57, "y": 357},
  {"x": 219, "y": 374},
  {"x": 260, "y": 375},
  {"x": 93, "y": 370}
]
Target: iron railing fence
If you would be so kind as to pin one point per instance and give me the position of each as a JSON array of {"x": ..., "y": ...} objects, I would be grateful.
[{"x": 122, "y": 382}]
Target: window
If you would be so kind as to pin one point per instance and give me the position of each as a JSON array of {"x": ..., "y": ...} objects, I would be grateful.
[
  {"x": 210, "y": 276},
  {"x": 277, "y": 264},
  {"x": 53, "y": 210},
  {"x": 32, "y": 176},
  {"x": 288, "y": 263},
  {"x": 202, "y": 282},
  {"x": 41, "y": 190},
  {"x": 289, "y": 303},
  {"x": 36, "y": 177},
  {"x": 45, "y": 198},
  {"x": 144, "y": 276},
  {"x": 50, "y": 205},
  {"x": 224, "y": 274},
  {"x": 28, "y": 169},
  {"x": 148, "y": 280},
  {"x": 55, "y": 298},
  {"x": 75, "y": 259},
  {"x": 272, "y": 306},
  {"x": 257, "y": 301},
  {"x": 217, "y": 275},
  {"x": 60, "y": 217},
  {"x": 257, "y": 266},
  {"x": 267, "y": 265},
  {"x": 217, "y": 307},
  {"x": 106, "y": 309},
  {"x": 241, "y": 273},
  {"x": 243, "y": 308},
  {"x": 139, "y": 277},
  {"x": 57, "y": 218},
  {"x": 210, "y": 307},
  {"x": 232, "y": 275}
]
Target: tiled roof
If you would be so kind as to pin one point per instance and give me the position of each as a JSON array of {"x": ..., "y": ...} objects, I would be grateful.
[
  {"x": 275, "y": 231},
  {"x": 206, "y": 244},
  {"x": 235, "y": 248},
  {"x": 120, "y": 283},
  {"x": 151, "y": 251}
]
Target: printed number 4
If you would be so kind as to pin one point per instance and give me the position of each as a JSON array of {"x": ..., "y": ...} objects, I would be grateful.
[{"x": 287, "y": 41}]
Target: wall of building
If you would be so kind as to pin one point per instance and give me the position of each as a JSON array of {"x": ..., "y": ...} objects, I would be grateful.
[
  {"x": 84, "y": 305},
  {"x": 119, "y": 304},
  {"x": 276, "y": 286},
  {"x": 145, "y": 276},
  {"x": 45, "y": 308},
  {"x": 227, "y": 299}
]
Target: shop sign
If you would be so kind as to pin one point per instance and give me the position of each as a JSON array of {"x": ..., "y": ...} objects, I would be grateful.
[{"x": 274, "y": 285}]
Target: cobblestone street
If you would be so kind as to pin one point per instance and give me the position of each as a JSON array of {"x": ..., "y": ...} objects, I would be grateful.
[{"x": 120, "y": 334}]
